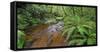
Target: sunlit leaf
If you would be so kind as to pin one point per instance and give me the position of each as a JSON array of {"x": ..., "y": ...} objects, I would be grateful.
[
  {"x": 20, "y": 39},
  {"x": 59, "y": 18}
]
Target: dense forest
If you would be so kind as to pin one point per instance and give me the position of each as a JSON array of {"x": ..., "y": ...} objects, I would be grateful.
[{"x": 76, "y": 24}]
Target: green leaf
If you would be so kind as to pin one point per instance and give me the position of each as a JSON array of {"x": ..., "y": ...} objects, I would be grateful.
[
  {"x": 87, "y": 26},
  {"x": 91, "y": 41},
  {"x": 20, "y": 39},
  {"x": 34, "y": 21},
  {"x": 82, "y": 31},
  {"x": 51, "y": 20},
  {"x": 76, "y": 42},
  {"x": 20, "y": 43},
  {"x": 20, "y": 33},
  {"x": 69, "y": 32},
  {"x": 59, "y": 18},
  {"x": 93, "y": 35}
]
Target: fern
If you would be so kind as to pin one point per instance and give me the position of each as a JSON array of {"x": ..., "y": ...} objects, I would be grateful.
[
  {"x": 78, "y": 26},
  {"x": 20, "y": 41}
]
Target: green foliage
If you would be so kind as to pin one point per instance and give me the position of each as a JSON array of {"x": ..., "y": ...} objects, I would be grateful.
[
  {"x": 35, "y": 21},
  {"x": 20, "y": 41},
  {"x": 79, "y": 22},
  {"x": 79, "y": 26},
  {"x": 76, "y": 42}
]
